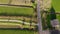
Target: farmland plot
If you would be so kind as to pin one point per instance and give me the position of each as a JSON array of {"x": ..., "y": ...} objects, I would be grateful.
[
  {"x": 15, "y": 11},
  {"x": 4, "y": 1}
]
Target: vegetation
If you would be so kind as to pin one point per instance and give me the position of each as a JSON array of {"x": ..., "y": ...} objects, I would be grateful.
[
  {"x": 13, "y": 11},
  {"x": 22, "y": 11},
  {"x": 4, "y": 1},
  {"x": 56, "y": 5},
  {"x": 15, "y": 24},
  {"x": 16, "y": 32}
]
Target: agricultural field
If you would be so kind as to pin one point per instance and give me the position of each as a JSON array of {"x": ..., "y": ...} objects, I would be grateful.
[
  {"x": 56, "y": 5},
  {"x": 17, "y": 2},
  {"x": 15, "y": 11},
  {"x": 16, "y": 32},
  {"x": 21, "y": 11},
  {"x": 12, "y": 11},
  {"x": 4, "y": 1}
]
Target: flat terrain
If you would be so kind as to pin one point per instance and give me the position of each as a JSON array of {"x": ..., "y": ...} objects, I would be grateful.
[
  {"x": 22, "y": 11},
  {"x": 56, "y": 5},
  {"x": 4, "y": 1},
  {"x": 16, "y": 32},
  {"x": 16, "y": 2},
  {"x": 7, "y": 10}
]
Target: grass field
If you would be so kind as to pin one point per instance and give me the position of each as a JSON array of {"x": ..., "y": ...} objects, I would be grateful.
[
  {"x": 16, "y": 11},
  {"x": 16, "y": 32},
  {"x": 20, "y": 11},
  {"x": 56, "y": 5}
]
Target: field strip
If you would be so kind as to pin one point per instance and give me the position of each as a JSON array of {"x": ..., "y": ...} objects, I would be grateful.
[
  {"x": 16, "y": 5},
  {"x": 8, "y": 24},
  {"x": 12, "y": 25},
  {"x": 17, "y": 21}
]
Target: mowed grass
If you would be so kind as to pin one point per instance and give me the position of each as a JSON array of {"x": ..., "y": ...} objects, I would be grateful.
[
  {"x": 14, "y": 11},
  {"x": 16, "y": 32}
]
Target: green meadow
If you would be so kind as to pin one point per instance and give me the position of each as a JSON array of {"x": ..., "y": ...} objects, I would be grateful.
[
  {"x": 16, "y": 32},
  {"x": 56, "y": 5},
  {"x": 15, "y": 11}
]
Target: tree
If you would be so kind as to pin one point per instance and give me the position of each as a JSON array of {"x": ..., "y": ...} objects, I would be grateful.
[
  {"x": 33, "y": 1},
  {"x": 52, "y": 13}
]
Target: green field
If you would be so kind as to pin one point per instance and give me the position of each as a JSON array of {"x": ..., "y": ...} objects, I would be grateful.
[
  {"x": 56, "y": 5},
  {"x": 16, "y": 32},
  {"x": 14, "y": 11}
]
